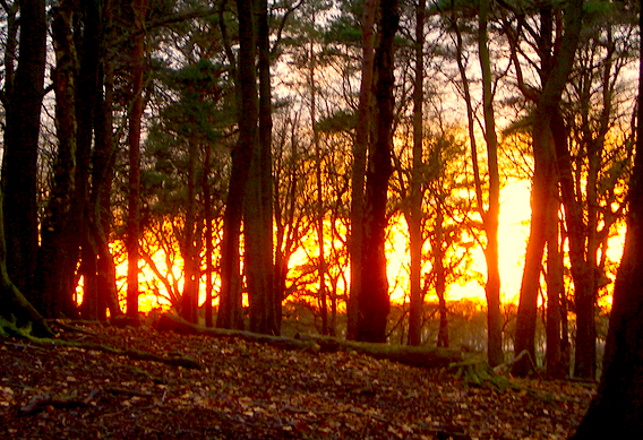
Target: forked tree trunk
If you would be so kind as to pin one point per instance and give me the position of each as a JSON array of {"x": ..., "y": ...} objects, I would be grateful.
[{"x": 555, "y": 68}]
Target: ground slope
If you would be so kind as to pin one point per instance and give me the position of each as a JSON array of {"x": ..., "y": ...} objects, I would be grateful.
[{"x": 246, "y": 390}]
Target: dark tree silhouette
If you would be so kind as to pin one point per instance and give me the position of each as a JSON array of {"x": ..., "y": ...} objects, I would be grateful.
[
  {"x": 374, "y": 301},
  {"x": 617, "y": 409}
]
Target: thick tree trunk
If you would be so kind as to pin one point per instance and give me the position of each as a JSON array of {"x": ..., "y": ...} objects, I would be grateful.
[
  {"x": 358, "y": 170},
  {"x": 254, "y": 127},
  {"x": 15, "y": 305},
  {"x": 59, "y": 250},
  {"x": 544, "y": 191},
  {"x": 374, "y": 301},
  {"x": 617, "y": 409},
  {"x": 19, "y": 166}
]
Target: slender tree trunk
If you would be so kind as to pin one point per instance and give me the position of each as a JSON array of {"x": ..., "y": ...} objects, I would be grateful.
[
  {"x": 440, "y": 276},
  {"x": 374, "y": 301},
  {"x": 103, "y": 173},
  {"x": 583, "y": 271},
  {"x": 189, "y": 249},
  {"x": 19, "y": 166},
  {"x": 415, "y": 219},
  {"x": 320, "y": 212},
  {"x": 620, "y": 394},
  {"x": 209, "y": 237},
  {"x": 490, "y": 217},
  {"x": 555, "y": 289},
  {"x": 139, "y": 8},
  {"x": 358, "y": 170}
]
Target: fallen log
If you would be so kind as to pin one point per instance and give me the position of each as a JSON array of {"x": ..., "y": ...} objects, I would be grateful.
[{"x": 424, "y": 357}]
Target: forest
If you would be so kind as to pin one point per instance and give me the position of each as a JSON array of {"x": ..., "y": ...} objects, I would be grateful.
[{"x": 416, "y": 175}]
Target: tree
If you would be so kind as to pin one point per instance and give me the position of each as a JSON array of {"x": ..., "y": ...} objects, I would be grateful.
[
  {"x": 554, "y": 70},
  {"x": 230, "y": 307},
  {"x": 373, "y": 300},
  {"x": 258, "y": 218},
  {"x": 358, "y": 170},
  {"x": 19, "y": 166},
  {"x": 582, "y": 133},
  {"x": 414, "y": 218},
  {"x": 139, "y": 9},
  {"x": 620, "y": 394},
  {"x": 490, "y": 214},
  {"x": 59, "y": 250}
]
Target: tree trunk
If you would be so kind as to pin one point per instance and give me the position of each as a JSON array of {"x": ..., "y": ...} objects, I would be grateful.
[
  {"x": 583, "y": 271},
  {"x": 415, "y": 219},
  {"x": 358, "y": 170},
  {"x": 544, "y": 190},
  {"x": 620, "y": 395},
  {"x": 440, "y": 275},
  {"x": 15, "y": 305},
  {"x": 58, "y": 254},
  {"x": 19, "y": 166},
  {"x": 209, "y": 236},
  {"x": 103, "y": 174},
  {"x": 556, "y": 367},
  {"x": 265, "y": 152},
  {"x": 490, "y": 218},
  {"x": 555, "y": 68},
  {"x": 374, "y": 301},
  {"x": 254, "y": 127},
  {"x": 139, "y": 8},
  {"x": 189, "y": 301}
]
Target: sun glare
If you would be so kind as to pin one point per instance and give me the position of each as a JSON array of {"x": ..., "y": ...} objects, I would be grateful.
[{"x": 514, "y": 218}]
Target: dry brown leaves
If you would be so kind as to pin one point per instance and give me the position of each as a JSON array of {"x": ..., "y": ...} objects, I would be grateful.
[{"x": 251, "y": 391}]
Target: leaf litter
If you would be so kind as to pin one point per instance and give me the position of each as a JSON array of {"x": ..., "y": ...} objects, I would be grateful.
[{"x": 246, "y": 390}]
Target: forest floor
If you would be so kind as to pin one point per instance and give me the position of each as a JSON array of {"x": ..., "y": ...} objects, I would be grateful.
[{"x": 244, "y": 390}]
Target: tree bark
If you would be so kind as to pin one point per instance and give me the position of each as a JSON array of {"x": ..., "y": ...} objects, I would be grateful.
[
  {"x": 19, "y": 166},
  {"x": 374, "y": 301},
  {"x": 191, "y": 272},
  {"x": 139, "y": 8},
  {"x": 415, "y": 218},
  {"x": 358, "y": 170},
  {"x": 59, "y": 251}
]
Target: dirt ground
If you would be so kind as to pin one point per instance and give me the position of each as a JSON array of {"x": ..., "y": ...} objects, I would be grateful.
[{"x": 233, "y": 389}]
